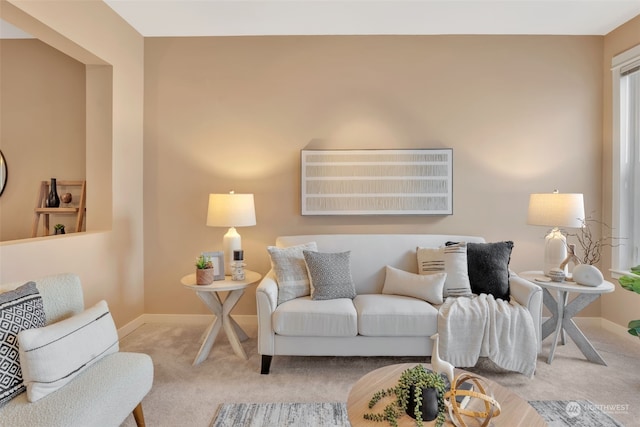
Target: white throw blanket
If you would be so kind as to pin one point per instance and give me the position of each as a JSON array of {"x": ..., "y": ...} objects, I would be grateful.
[{"x": 482, "y": 326}]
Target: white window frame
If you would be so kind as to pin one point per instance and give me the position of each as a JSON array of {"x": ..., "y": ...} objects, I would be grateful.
[{"x": 619, "y": 201}]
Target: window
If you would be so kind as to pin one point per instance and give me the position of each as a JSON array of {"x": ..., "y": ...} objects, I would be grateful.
[{"x": 626, "y": 157}]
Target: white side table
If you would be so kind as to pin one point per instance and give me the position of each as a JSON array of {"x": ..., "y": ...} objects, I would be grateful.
[
  {"x": 209, "y": 294},
  {"x": 562, "y": 311}
]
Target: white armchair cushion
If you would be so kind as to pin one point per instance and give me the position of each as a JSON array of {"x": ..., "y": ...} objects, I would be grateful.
[
  {"x": 52, "y": 356},
  {"x": 425, "y": 287}
]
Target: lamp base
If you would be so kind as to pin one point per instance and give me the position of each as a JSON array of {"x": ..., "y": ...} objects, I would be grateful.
[
  {"x": 231, "y": 242},
  {"x": 555, "y": 251}
]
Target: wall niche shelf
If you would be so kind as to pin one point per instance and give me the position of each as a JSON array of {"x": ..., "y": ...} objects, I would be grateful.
[{"x": 41, "y": 210}]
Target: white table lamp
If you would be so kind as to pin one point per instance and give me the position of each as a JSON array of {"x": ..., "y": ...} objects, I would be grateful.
[
  {"x": 556, "y": 210},
  {"x": 231, "y": 210}
]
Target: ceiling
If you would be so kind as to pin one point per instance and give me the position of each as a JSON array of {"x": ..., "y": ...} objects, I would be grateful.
[
  {"x": 181, "y": 18},
  {"x": 153, "y": 18}
]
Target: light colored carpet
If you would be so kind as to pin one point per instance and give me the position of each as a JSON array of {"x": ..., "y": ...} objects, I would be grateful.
[
  {"x": 558, "y": 413},
  {"x": 189, "y": 396}
]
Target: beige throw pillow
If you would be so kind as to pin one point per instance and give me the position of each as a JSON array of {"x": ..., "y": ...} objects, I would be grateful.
[
  {"x": 425, "y": 287},
  {"x": 291, "y": 270},
  {"x": 447, "y": 259}
]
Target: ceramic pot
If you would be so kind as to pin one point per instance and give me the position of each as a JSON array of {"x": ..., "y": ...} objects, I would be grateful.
[
  {"x": 204, "y": 276},
  {"x": 429, "y": 407}
]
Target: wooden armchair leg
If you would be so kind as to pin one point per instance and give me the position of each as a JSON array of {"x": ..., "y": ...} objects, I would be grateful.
[{"x": 138, "y": 415}]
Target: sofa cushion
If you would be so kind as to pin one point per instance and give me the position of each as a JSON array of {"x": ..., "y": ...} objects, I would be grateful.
[
  {"x": 291, "y": 271},
  {"x": 330, "y": 275},
  {"x": 20, "y": 309},
  {"x": 427, "y": 287},
  {"x": 395, "y": 316},
  {"x": 54, "y": 355},
  {"x": 306, "y": 317},
  {"x": 451, "y": 259},
  {"x": 489, "y": 268}
]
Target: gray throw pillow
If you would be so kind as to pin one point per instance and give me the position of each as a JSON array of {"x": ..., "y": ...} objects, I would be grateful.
[
  {"x": 330, "y": 275},
  {"x": 489, "y": 268},
  {"x": 20, "y": 309},
  {"x": 291, "y": 271}
]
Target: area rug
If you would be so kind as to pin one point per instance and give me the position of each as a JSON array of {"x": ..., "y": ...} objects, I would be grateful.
[
  {"x": 582, "y": 413},
  {"x": 558, "y": 413}
]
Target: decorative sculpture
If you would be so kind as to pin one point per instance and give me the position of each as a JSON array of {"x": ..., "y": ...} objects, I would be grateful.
[
  {"x": 478, "y": 391},
  {"x": 439, "y": 365}
]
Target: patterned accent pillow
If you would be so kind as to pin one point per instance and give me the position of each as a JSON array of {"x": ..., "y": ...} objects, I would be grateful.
[
  {"x": 489, "y": 268},
  {"x": 330, "y": 275},
  {"x": 20, "y": 309},
  {"x": 427, "y": 287},
  {"x": 451, "y": 260},
  {"x": 291, "y": 271}
]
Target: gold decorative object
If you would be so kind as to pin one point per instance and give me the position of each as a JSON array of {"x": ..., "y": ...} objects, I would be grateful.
[{"x": 478, "y": 391}]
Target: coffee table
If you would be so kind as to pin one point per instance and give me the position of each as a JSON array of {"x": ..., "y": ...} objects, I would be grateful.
[{"x": 515, "y": 411}]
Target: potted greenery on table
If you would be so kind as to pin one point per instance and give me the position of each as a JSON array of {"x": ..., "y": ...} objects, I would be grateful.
[
  {"x": 631, "y": 282},
  {"x": 204, "y": 270},
  {"x": 419, "y": 393}
]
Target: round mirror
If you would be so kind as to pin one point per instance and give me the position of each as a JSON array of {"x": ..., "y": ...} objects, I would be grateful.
[{"x": 3, "y": 173}]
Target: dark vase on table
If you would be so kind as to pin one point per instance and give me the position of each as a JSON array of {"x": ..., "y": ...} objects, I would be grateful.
[
  {"x": 52, "y": 200},
  {"x": 429, "y": 407}
]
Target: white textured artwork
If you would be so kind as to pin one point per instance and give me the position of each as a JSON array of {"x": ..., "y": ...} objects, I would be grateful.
[{"x": 377, "y": 182}]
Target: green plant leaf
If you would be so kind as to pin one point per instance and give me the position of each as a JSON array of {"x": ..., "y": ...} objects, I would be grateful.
[
  {"x": 630, "y": 283},
  {"x": 635, "y": 269},
  {"x": 634, "y": 328}
]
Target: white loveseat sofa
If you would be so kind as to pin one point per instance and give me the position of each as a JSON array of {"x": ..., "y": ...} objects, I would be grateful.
[
  {"x": 104, "y": 394},
  {"x": 372, "y": 324}
]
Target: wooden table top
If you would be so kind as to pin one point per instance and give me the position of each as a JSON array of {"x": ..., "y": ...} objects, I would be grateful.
[{"x": 515, "y": 411}]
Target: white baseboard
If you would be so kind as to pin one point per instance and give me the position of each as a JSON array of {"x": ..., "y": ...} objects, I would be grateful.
[{"x": 191, "y": 319}]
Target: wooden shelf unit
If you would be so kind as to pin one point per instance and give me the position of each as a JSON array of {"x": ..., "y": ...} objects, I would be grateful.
[{"x": 42, "y": 211}]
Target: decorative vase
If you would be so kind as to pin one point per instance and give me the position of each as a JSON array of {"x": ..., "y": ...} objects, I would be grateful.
[
  {"x": 204, "y": 276},
  {"x": 52, "y": 200},
  {"x": 59, "y": 231},
  {"x": 429, "y": 406}
]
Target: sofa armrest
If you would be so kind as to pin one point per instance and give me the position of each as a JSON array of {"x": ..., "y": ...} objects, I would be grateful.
[
  {"x": 529, "y": 295},
  {"x": 266, "y": 302}
]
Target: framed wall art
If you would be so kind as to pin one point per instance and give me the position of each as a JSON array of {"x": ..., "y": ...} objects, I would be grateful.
[{"x": 377, "y": 182}]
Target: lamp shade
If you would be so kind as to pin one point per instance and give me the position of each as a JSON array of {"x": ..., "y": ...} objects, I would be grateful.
[
  {"x": 231, "y": 210},
  {"x": 556, "y": 210}
]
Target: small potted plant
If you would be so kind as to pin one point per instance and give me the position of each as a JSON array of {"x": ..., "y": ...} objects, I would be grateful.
[
  {"x": 419, "y": 394},
  {"x": 204, "y": 270},
  {"x": 631, "y": 282},
  {"x": 58, "y": 229}
]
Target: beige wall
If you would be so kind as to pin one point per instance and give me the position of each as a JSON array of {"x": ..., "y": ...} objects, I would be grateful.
[
  {"x": 621, "y": 306},
  {"x": 522, "y": 114},
  {"x": 109, "y": 259},
  {"x": 42, "y": 129}
]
